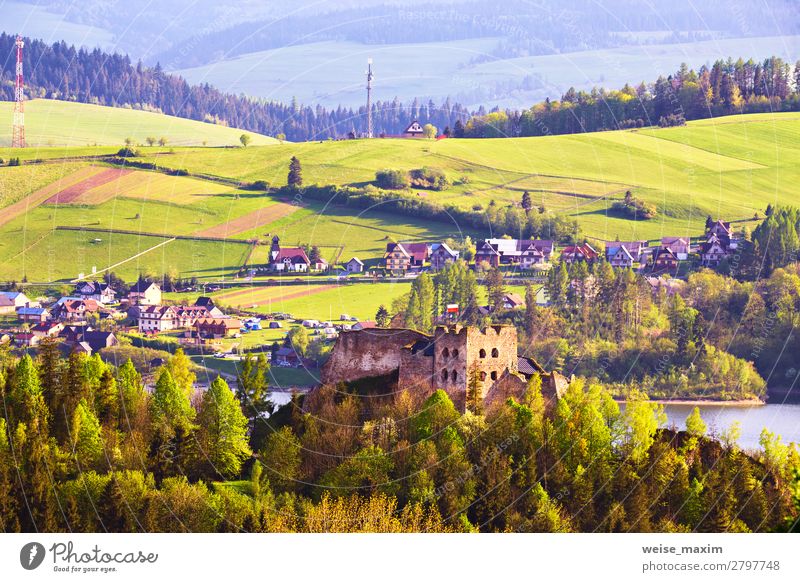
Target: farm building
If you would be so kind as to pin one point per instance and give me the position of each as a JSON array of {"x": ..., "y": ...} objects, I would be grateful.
[
  {"x": 33, "y": 314},
  {"x": 11, "y": 300},
  {"x": 678, "y": 245},
  {"x": 354, "y": 265},
  {"x": 414, "y": 130}
]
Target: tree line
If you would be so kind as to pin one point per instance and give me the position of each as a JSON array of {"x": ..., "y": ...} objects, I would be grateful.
[
  {"x": 727, "y": 87},
  {"x": 60, "y": 71},
  {"x": 85, "y": 447}
]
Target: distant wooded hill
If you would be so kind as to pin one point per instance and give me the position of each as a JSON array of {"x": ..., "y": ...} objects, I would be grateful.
[{"x": 60, "y": 71}]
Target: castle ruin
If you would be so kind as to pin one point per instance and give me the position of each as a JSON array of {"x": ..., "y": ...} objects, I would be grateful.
[{"x": 445, "y": 360}]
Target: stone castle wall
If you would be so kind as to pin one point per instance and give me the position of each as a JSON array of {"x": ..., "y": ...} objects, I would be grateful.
[{"x": 367, "y": 353}]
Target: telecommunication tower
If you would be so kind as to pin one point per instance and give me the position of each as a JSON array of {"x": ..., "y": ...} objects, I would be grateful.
[
  {"x": 369, "y": 96},
  {"x": 18, "y": 132}
]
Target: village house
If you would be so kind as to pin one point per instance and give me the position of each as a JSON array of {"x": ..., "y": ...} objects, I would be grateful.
[
  {"x": 11, "y": 300},
  {"x": 33, "y": 314},
  {"x": 441, "y": 255},
  {"x": 287, "y": 357},
  {"x": 354, "y": 265},
  {"x": 532, "y": 257},
  {"x": 511, "y": 251},
  {"x": 26, "y": 339},
  {"x": 216, "y": 328},
  {"x": 208, "y": 304},
  {"x": 665, "y": 260},
  {"x": 722, "y": 230},
  {"x": 98, "y": 340},
  {"x": 72, "y": 309},
  {"x": 486, "y": 252},
  {"x": 157, "y": 318},
  {"x": 289, "y": 259},
  {"x": 320, "y": 265},
  {"x": 713, "y": 251},
  {"x": 620, "y": 257},
  {"x": 679, "y": 246},
  {"x": 47, "y": 329},
  {"x": 414, "y": 130},
  {"x": 635, "y": 248},
  {"x": 579, "y": 253},
  {"x": 96, "y": 290},
  {"x": 405, "y": 256},
  {"x": 144, "y": 293}
]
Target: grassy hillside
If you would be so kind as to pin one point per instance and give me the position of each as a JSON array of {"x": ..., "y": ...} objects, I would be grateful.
[
  {"x": 59, "y": 123},
  {"x": 730, "y": 167}
]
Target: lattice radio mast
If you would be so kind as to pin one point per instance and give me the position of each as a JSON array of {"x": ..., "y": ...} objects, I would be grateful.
[
  {"x": 18, "y": 132},
  {"x": 369, "y": 96}
]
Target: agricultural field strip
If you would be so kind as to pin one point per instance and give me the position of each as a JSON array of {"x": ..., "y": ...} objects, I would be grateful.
[
  {"x": 136, "y": 256},
  {"x": 272, "y": 296},
  {"x": 75, "y": 193},
  {"x": 34, "y": 199},
  {"x": 256, "y": 219}
]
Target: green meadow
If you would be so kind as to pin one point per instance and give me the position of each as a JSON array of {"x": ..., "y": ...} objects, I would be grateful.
[
  {"x": 730, "y": 167},
  {"x": 51, "y": 123}
]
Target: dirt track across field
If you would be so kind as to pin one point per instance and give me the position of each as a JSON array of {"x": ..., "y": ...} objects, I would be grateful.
[
  {"x": 260, "y": 217},
  {"x": 294, "y": 295},
  {"x": 34, "y": 199},
  {"x": 73, "y": 193}
]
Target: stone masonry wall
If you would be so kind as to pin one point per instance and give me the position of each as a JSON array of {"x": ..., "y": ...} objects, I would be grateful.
[{"x": 367, "y": 353}]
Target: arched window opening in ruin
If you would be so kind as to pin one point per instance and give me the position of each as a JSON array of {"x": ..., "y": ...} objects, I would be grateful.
[
  {"x": 494, "y": 375},
  {"x": 455, "y": 353},
  {"x": 495, "y": 353},
  {"x": 445, "y": 353},
  {"x": 483, "y": 376},
  {"x": 455, "y": 375},
  {"x": 482, "y": 353},
  {"x": 444, "y": 375}
]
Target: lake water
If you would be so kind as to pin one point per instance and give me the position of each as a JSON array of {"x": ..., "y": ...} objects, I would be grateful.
[{"x": 782, "y": 419}]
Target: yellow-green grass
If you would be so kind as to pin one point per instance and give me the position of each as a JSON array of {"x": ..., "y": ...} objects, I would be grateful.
[
  {"x": 61, "y": 123},
  {"x": 17, "y": 182},
  {"x": 730, "y": 168},
  {"x": 154, "y": 186},
  {"x": 323, "y": 302},
  {"x": 62, "y": 255}
]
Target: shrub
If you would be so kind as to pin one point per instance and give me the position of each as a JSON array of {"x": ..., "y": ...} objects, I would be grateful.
[
  {"x": 429, "y": 179},
  {"x": 634, "y": 208},
  {"x": 391, "y": 179},
  {"x": 128, "y": 152}
]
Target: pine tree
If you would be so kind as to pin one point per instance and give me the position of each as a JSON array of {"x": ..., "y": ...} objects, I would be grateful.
[
  {"x": 295, "y": 178},
  {"x": 527, "y": 203},
  {"x": 382, "y": 316}
]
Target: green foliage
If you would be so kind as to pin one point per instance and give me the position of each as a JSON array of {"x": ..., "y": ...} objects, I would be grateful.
[
  {"x": 642, "y": 418},
  {"x": 222, "y": 431},
  {"x": 170, "y": 406},
  {"x": 281, "y": 459},
  {"x": 391, "y": 179},
  {"x": 694, "y": 423},
  {"x": 87, "y": 445},
  {"x": 299, "y": 340},
  {"x": 634, "y": 208},
  {"x": 429, "y": 178}
]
